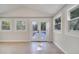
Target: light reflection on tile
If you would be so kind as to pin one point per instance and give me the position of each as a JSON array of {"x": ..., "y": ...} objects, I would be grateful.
[{"x": 29, "y": 48}]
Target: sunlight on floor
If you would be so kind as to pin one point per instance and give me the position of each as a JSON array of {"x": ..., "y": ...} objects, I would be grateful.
[{"x": 29, "y": 48}]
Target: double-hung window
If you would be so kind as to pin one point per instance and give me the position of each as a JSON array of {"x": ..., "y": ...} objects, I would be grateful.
[
  {"x": 58, "y": 23},
  {"x": 74, "y": 19},
  {"x": 20, "y": 25},
  {"x": 5, "y": 25}
]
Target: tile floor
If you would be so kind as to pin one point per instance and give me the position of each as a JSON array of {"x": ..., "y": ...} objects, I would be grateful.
[{"x": 29, "y": 48}]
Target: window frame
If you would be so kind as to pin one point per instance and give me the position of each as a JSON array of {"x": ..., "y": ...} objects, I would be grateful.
[
  {"x": 58, "y": 16},
  {"x": 16, "y": 25},
  {"x": 4, "y": 19},
  {"x": 69, "y": 17}
]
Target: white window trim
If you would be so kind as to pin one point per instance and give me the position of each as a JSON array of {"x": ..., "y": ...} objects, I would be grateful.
[
  {"x": 4, "y": 19},
  {"x": 59, "y": 31},
  {"x": 69, "y": 10},
  {"x": 15, "y": 22},
  {"x": 69, "y": 19}
]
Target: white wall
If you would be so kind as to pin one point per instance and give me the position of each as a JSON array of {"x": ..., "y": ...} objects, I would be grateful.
[
  {"x": 23, "y": 13},
  {"x": 66, "y": 40},
  {"x": 19, "y": 36},
  {"x": 14, "y": 35}
]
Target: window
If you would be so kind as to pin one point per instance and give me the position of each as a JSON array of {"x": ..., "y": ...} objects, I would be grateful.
[
  {"x": 74, "y": 19},
  {"x": 20, "y": 25},
  {"x": 74, "y": 13},
  {"x": 5, "y": 25},
  {"x": 58, "y": 23}
]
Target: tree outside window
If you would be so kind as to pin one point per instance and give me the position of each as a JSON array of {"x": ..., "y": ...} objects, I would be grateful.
[
  {"x": 5, "y": 25},
  {"x": 20, "y": 25}
]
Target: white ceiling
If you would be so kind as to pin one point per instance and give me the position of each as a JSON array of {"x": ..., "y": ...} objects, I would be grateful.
[
  {"x": 6, "y": 7},
  {"x": 47, "y": 9}
]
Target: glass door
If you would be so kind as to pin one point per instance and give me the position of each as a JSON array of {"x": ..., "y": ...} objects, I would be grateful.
[
  {"x": 43, "y": 31},
  {"x": 39, "y": 31},
  {"x": 35, "y": 31}
]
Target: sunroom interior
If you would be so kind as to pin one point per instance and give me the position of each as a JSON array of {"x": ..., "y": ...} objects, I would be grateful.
[{"x": 39, "y": 28}]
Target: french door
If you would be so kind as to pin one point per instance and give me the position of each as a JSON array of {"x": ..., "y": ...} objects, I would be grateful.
[{"x": 39, "y": 30}]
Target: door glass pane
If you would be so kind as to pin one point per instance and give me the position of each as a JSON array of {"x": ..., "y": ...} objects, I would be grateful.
[
  {"x": 35, "y": 30},
  {"x": 35, "y": 26},
  {"x": 43, "y": 26},
  {"x": 43, "y": 31},
  {"x": 35, "y": 35},
  {"x": 43, "y": 35}
]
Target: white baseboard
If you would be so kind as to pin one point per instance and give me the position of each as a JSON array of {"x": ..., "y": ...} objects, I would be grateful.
[
  {"x": 21, "y": 41},
  {"x": 60, "y": 48},
  {"x": 14, "y": 41}
]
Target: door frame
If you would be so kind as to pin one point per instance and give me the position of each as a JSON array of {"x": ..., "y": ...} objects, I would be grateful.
[{"x": 39, "y": 20}]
